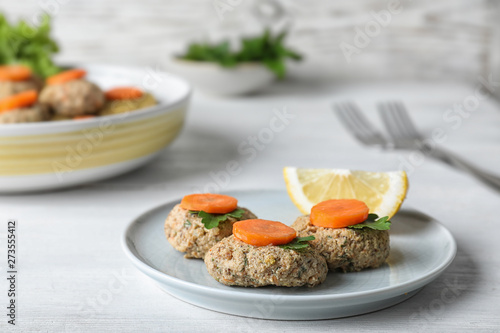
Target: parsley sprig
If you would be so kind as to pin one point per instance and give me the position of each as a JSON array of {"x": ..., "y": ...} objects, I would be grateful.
[
  {"x": 267, "y": 49},
  {"x": 29, "y": 45},
  {"x": 212, "y": 220},
  {"x": 299, "y": 243},
  {"x": 374, "y": 222}
]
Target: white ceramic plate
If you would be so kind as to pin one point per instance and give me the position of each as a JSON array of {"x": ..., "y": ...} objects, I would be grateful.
[{"x": 421, "y": 249}]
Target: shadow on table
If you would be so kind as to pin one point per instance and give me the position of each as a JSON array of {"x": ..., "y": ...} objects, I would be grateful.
[
  {"x": 302, "y": 87},
  {"x": 289, "y": 87}
]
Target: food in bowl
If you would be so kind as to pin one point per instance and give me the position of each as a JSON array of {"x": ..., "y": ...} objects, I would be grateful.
[
  {"x": 346, "y": 235},
  {"x": 202, "y": 220},
  {"x": 15, "y": 79},
  {"x": 63, "y": 154},
  {"x": 27, "y": 60},
  {"x": 225, "y": 70},
  {"x": 29, "y": 43},
  {"x": 69, "y": 94},
  {"x": 126, "y": 99},
  {"x": 267, "y": 49},
  {"x": 22, "y": 108},
  {"x": 262, "y": 253}
]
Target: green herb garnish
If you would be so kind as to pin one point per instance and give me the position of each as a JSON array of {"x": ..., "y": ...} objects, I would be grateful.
[
  {"x": 28, "y": 45},
  {"x": 299, "y": 243},
  {"x": 374, "y": 222},
  {"x": 266, "y": 49},
  {"x": 187, "y": 224},
  {"x": 212, "y": 220}
]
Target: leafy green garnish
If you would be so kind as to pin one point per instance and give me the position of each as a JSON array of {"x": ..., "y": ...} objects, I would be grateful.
[
  {"x": 266, "y": 49},
  {"x": 29, "y": 45},
  {"x": 374, "y": 222},
  {"x": 299, "y": 243},
  {"x": 212, "y": 220}
]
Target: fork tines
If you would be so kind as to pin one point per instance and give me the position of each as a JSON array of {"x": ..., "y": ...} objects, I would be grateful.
[
  {"x": 397, "y": 121},
  {"x": 350, "y": 115}
]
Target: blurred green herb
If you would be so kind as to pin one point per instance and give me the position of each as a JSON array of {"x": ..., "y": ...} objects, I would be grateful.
[
  {"x": 267, "y": 49},
  {"x": 26, "y": 44}
]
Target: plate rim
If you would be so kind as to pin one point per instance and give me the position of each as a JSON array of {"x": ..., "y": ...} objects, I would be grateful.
[{"x": 389, "y": 290}]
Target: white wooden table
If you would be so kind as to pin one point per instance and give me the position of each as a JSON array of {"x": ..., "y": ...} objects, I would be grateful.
[{"x": 74, "y": 277}]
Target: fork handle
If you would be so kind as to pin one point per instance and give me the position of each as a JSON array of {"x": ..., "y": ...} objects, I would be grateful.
[{"x": 459, "y": 163}]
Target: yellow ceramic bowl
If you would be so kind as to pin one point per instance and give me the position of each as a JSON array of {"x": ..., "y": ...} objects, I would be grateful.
[{"x": 58, "y": 154}]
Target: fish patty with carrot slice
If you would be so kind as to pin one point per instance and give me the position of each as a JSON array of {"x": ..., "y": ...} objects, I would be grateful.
[
  {"x": 15, "y": 79},
  {"x": 22, "y": 108},
  {"x": 235, "y": 263},
  {"x": 346, "y": 249},
  {"x": 122, "y": 100},
  {"x": 262, "y": 253},
  {"x": 29, "y": 114},
  {"x": 344, "y": 237},
  {"x": 193, "y": 226},
  {"x": 69, "y": 94}
]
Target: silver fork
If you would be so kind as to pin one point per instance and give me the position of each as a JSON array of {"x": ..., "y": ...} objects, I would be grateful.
[
  {"x": 406, "y": 136},
  {"x": 352, "y": 118}
]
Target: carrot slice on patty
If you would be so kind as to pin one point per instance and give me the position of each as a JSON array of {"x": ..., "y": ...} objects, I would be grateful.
[
  {"x": 209, "y": 203},
  {"x": 21, "y": 100},
  {"x": 14, "y": 73},
  {"x": 120, "y": 93},
  {"x": 69, "y": 75},
  {"x": 339, "y": 213},
  {"x": 259, "y": 232}
]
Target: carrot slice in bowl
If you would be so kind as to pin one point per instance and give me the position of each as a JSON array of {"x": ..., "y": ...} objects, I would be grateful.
[
  {"x": 120, "y": 93},
  {"x": 85, "y": 116},
  {"x": 17, "y": 101},
  {"x": 259, "y": 232},
  {"x": 209, "y": 203},
  {"x": 14, "y": 73},
  {"x": 339, "y": 213},
  {"x": 69, "y": 75}
]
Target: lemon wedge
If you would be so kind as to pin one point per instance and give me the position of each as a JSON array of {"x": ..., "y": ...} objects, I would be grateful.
[{"x": 383, "y": 192}]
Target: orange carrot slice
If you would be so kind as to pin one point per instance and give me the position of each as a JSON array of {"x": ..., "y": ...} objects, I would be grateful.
[
  {"x": 123, "y": 93},
  {"x": 209, "y": 203},
  {"x": 339, "y": 213},
  {"x": 69, "y": 75},
  {"x": 14, "y": 73},
  {"x": 259, "y": 232},
  {"x": 21, "y": 100},
  {"x": 85, "y": 116}
]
